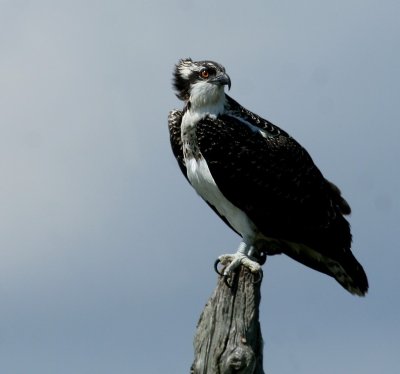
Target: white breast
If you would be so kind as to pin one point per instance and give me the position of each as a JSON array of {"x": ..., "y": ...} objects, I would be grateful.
[{"x": 201, "y": 179}]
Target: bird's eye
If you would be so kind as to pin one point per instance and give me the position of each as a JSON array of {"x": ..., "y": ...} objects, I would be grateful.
[{"x": 204, "y": 73}]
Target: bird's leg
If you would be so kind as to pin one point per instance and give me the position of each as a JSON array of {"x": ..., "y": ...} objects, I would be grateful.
[{"x": 243, "y": 256}]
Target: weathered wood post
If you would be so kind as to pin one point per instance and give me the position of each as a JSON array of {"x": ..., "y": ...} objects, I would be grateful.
[{"x": 228, "y": 337}]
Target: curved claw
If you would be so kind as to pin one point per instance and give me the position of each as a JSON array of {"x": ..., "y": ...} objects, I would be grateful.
[
  {"x": 225, "y": 276},
  {"x": 262, "y": 257},
  {"x": 226, "y": 281},
  {"x": 259, "y": 278},
  {"x": 217, "y": 261}
]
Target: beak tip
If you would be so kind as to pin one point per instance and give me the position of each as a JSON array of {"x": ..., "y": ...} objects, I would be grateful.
[{"x": 229, "y": 82}]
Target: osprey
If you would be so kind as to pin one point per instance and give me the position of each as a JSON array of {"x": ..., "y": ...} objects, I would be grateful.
[{"x": 259, "y": 180}]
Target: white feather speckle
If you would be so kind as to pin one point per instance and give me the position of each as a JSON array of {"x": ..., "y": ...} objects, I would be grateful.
[{"x": 185, "y": 70}]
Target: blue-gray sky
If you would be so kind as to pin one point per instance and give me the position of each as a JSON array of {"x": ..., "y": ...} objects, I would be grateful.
[{"x": 106, "y": 252}]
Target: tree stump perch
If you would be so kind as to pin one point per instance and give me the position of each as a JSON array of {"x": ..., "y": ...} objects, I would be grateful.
[{"x": 228, "y": 337}]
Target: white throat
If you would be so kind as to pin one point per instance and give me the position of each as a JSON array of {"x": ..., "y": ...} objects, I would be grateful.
[{"x": 207, "y": 99}]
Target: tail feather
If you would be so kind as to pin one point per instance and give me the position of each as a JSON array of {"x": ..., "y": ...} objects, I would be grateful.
[
  {"x": 349, "y": 274},
  {"x": 345, "y": 269}
]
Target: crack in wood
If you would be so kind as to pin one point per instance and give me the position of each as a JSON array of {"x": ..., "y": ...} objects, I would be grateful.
[{"x": 228, "y": 338}]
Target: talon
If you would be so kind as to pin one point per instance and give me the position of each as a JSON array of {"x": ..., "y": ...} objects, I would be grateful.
[
  {"x": 260, "y": 274},
  {"x": 216, "y": 263},
  {"x": 226, "y": 281},
  {"x": 262, "y": 257}
]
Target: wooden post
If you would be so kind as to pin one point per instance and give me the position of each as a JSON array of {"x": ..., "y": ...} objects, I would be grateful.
[{"x": 228, "y": 337}]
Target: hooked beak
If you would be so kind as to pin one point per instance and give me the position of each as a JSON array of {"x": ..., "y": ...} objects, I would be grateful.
[{"x": 222, "y": 80}]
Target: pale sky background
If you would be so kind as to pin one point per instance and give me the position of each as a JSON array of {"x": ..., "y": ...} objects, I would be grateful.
[{"x": 106, "y": 253}]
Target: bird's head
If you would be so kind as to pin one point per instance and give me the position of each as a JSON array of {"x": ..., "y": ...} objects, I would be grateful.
[{"x": 200, "y": 82}]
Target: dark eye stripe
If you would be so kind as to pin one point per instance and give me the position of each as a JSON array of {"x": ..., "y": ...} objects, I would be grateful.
[{"x": 211, "y": 71}]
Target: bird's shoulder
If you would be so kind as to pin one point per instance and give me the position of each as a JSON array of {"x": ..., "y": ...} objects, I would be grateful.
[
  {"x": 174, "y": 127},
  {"x": 174, "y": 119},
  {"x": 243, "y": 136},
  {"x": 235, "y": 110}
]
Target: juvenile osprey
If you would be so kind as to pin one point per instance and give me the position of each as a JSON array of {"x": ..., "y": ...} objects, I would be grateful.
[{"x": 259, "y": 180}]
